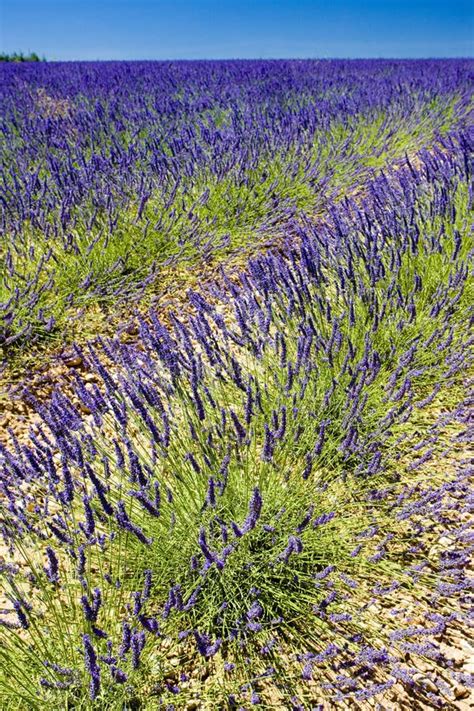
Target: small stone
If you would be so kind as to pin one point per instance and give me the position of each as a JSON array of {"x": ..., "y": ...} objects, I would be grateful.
[
  {"x": 445, "y": 542},
  {"x": 423, "y": 666},
  {"x": 461, "y": 692},
  {"x": 90, "y": 378},
  {"x": 426, "y": 683},
  {"x": 73, "y": 362}
]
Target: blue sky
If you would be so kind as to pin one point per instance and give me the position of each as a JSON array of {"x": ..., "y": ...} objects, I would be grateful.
[{"x": 191, "y": 29}]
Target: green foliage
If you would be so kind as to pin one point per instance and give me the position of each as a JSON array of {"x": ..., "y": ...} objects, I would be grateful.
[{"x": 20, "y": 57}]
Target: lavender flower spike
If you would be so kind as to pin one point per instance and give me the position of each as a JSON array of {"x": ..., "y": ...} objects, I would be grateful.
[
  {"x": 255, "y": 508},
  {"x": 90, "y": 660},
  {"x": 52, "y": 569}
]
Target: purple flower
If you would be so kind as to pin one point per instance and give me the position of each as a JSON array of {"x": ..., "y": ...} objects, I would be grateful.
[
  {"x": 153, "y": 507},
  {"x": 150, "y": 624},
  {"x": 118, "y": 675},
  {"x": 89, "y": 526},
  {"x": 91, "y": 609},
  {"x": 324, "y": 518},
  {"x": 175, "y": 600},
  {"x": 324, "y": 573},
  {"x": 18, "y": 606},
  {"x": 192, "y": 599},
  {"x": 125, "y": 523},
  {"x": 126, "y": 639},
  {"x": 210, "y": 556},
  {"x": 269, "y": 445},
  {"x": 52, "y": 569},
  {"x": 309, "y": 466},
  {"x": 255, "y": 611},
  {"x": 294, "y": 546},
  {"x": 100, "y": 490},
  {"x": 211, "y": 493},
  {"x": 340, "y": 617},
  {"x": 192, "y": 460},
  {"x": 147, "y": 585},
  {"x": 304, "y": 523},
  {"x": 137, "y": 644},
  {"x": 239, "y": 428},
  {"x": 92, "y": 667},
  {"x": 205, "y": 646},
  {"x": 255, "y": 508},
  {"x": 318, "y": 447}
]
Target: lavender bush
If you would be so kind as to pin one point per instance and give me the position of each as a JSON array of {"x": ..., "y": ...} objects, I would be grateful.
[{"x": 252, "y": 488}]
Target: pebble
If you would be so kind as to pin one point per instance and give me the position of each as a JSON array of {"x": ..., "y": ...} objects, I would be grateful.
[
  {"x": 73, "y": 362},
  {"x": 445, "y": 542},
  {"x": 90, "y": 378},
  {"x": 425, "y": 682},
  {"x": 460, "y": 692}
]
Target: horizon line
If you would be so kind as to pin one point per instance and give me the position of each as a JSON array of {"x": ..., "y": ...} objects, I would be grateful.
[{"x": 242, "y": 59}]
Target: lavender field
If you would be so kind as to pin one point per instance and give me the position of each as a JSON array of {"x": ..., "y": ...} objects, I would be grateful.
[{"x": 254, "y": 486}]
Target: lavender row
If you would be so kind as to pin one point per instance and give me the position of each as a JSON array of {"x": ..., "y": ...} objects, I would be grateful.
[
  {"x": 249, "y": 486},
  {"x": 115, "y": 171}
]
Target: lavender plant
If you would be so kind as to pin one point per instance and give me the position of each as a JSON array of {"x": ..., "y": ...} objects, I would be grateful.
[{"x": 249, "y": 489}]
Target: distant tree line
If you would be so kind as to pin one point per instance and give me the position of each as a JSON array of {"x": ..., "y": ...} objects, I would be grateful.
[{"x": 20, "y": 57}]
